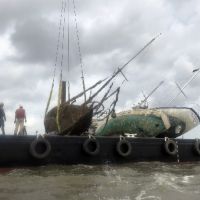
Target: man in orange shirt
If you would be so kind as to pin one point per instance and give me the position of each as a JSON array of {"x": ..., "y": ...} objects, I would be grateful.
[{"x": 20, "y": 118}]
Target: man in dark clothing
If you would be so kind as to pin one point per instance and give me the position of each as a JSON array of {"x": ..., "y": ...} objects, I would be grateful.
[{"x": 2, "y": 118}]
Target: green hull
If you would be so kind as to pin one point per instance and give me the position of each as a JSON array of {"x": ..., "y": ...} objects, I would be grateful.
[{"x": 148, "y": 126}]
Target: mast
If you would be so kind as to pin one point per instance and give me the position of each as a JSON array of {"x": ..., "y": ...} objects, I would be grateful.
[
  {"x": 150, "y": 94},
  {"x": 63, "y": 92},
  {"x": 119, "y": 69},
  {"x": 196, "y": 71}
]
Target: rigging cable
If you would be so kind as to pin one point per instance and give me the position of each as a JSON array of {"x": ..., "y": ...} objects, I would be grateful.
[
  {"x": 68, "y": 49},
  {"x": 79, "y": 50},
  {"x": 61, "y": 70},
  {"x": 56, "y": 58}
]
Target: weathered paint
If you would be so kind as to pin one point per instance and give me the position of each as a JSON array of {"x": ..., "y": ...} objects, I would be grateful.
[{"x": 142, "y": 125}]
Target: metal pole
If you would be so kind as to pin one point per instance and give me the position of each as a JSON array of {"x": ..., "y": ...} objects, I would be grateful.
[
  {"x": 185, "y": 85},
  {"x": 63, "y": 94}
]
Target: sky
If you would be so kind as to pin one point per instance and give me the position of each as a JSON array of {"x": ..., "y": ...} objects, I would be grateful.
[{"x": 109, "y": 34}]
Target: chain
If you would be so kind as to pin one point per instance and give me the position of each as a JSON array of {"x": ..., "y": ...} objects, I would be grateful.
[
  {"x": 79, "y": 49},
  {"x": 63, "y": 38},
  {"x": 68, "y": 50},
  {"x": 61, "y": 66},
  {"x": 178, "y": 156},
  {"x": 58, "y": 41},
  {"x": 56, "y": 57}
]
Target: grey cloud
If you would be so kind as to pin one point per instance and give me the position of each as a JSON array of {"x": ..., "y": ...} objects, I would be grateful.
[
  {"x": 110, "y": 32},
  {"x": 34, "y": 39},
  {"x": 13, "y": 11}
]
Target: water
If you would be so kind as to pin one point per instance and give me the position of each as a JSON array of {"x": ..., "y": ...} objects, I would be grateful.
[{"x": 136, "y": 181}]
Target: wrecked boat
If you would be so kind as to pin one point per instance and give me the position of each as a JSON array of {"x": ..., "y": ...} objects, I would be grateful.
[
  {"x": 155, "y": 122},
  {"x": 73, "y": 119}
]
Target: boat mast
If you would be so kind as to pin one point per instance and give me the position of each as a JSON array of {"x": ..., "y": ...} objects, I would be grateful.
[
  {"x": 144, "y": 102},
  {"x": 196, "y": 71},
  {"x": 119, "y": 69},
  {"x": 63, "y": 92}
]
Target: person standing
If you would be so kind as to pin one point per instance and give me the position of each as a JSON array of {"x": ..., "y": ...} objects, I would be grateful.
[
  {"x": 20, "y": 118},
  {"x": 2, "y": 118}
]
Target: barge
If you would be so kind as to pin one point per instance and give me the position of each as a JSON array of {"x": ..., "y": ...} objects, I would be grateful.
[{"x": 17, "y": 151}]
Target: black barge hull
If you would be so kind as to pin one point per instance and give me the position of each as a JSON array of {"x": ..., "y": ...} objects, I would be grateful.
[{"x": 67, "y": 150}]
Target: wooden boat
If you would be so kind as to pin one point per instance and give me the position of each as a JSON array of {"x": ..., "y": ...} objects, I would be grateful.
[
  {"x": 18, "y": 151},
  {"x": 73, "y": 119}
]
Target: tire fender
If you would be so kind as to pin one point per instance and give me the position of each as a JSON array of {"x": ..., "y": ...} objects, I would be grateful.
[
  {"x": 40, "y": 148},
  {"x": 197, "y": 147},
  {"x": 91, "y": 146},
  {"x": 124, "y": 148},
  {"x": 171, "y": 147}
]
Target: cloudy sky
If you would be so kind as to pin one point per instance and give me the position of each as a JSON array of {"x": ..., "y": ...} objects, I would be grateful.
[{"x": 110, "y": 33}]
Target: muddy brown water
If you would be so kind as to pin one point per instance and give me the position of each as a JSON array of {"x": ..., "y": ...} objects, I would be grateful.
[{"x": 105, "y": 182}]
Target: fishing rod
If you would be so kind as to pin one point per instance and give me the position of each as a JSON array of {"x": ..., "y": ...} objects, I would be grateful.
[{"x": 186, "y": 84}]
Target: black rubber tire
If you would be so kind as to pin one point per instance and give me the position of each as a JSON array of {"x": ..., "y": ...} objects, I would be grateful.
[
  {"x": 91, "y": 147},
  {"x": 124, "y": 148},
  {"x": 46, "y": 148},
  {"x": 197, "y": 147},
  {"x": 171, "y": 147}
]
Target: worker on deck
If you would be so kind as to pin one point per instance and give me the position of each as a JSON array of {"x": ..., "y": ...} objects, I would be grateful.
[
  {"x": 20, "y": 118},
  {"x": 2, "y": 118}
]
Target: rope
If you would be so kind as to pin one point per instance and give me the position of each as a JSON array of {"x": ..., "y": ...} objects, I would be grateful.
[
  {"x": 59, "y": 107},
  {"x": 112, "y": 106},
  {"x": 121, "y": 137},
  {"x": 50, "y": 96}
]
